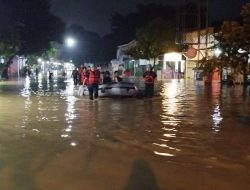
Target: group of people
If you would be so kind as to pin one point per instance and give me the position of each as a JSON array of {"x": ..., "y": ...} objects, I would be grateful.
[{"x": 91, "y": 77}]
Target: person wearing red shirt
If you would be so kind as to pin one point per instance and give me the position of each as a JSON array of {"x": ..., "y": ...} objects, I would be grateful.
[
  {"x": 127, "y": 73},
  {"x": 93, "y": 76},
  {"x": 83, "y": 76},
  {"x": 149, "y": 77}
]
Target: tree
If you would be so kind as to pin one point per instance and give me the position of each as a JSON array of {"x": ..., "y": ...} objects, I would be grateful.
[
  {"x": 124, "y": 27},
  {"x": 153, "y": 40},
  {"x": 9, "y": 37},
  {"x": 108, "y": 47},
  {"x": 28, "y": 27},
  {"x": 230, "y": 40},
  {"x": 234, "y": 42},
  {"x": 245, "y": 13}
]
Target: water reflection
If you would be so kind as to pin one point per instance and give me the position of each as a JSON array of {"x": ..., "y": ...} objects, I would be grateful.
[
  {"x": 26, "y": 91},
  {"x": 172, "y": 103},
  {"x": 70, "y": 111},
  {"x": 216, "y": 115},
  {"x": 163, "y": 154},
  {"x": 170, "y": 99},
  {"x": 174, "y": 133},
  {"x": 171, "y": 117},
  {"x": 70, "y": 116},
  {"x": 73, "y": 144},
  {"x": 217, "y": 119}
]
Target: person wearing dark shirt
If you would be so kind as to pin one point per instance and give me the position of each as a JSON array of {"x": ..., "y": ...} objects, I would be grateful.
[
  {"x": 106, "y": 78},
  {"x": 75, "y": 74},
  {"x": 117, "y": 78}
]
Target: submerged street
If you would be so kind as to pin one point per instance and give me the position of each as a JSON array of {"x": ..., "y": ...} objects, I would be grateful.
[{"x": 189, "y": 137}]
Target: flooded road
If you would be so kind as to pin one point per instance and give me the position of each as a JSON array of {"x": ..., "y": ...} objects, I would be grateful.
[{"x": 190, "y": 137}]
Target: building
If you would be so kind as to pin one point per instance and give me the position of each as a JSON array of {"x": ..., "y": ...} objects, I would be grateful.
[
  {"x": 14, "y": 67},
  {"x": 121, "y": 55},
  {"x": 200, "y": 45},
  {"x": 173, "y": 66},
  {"x": 136, "y": 66}
]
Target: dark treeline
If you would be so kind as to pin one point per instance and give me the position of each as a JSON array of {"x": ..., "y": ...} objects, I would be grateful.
[
  {"x": 28, "y": 28},
  {"x": 124, "y": 28},
  {"x": 93, "y": 48}
]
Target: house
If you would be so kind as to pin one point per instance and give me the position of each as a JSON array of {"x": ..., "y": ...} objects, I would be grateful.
[
  {"x": 121, "y": 55},
  {"x": 168, "y": 66},
  {"x": 14, "y": 67},
  {"x": 200, "y": 45},
  {"x": 136, "y": 66}
]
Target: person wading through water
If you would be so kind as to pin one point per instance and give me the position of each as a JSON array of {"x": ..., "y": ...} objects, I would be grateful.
[
  {"x": 93, "y": 77},
  {"x": 149, "y": 77}
]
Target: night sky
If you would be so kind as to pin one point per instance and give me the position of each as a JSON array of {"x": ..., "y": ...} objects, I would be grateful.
[{"x": 94, "y": 15}]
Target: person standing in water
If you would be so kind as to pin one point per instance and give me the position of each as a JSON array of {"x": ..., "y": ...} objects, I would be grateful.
[
  {"x": 149, "y": 77},
  {"x": 93, "y": 77}
]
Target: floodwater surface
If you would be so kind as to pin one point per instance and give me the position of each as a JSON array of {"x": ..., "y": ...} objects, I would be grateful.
[{"x": 190, "y": 137}]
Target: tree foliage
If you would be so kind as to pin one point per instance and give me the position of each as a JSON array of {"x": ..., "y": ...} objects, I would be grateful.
[
  {"x": 245, "y": 13},
  {"x": 27, "y": 27},
  {"x": 233, "y": 41},
  {"x": 156, "y": 38},
  {"x": 125, "y": 27},
  {"x": 52, "y": 52}
]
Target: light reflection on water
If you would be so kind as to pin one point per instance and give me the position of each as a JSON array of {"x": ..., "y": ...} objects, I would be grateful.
[
  {"x": 216, "y": 115},
  {"x": 171, "y": 117},
  {"x": 217, "y": 118},
  {"x": 188, "y": 132}
]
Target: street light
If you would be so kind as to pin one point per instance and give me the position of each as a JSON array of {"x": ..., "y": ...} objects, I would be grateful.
[
  {"x": 70, "y": 42},
  {"x": 39, "y": 60},
  {"x": 217, "y": 52}
]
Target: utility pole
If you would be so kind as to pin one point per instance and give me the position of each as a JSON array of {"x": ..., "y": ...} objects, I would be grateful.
[
  {"x": 199, "y": 27},
  {"x": 206, "y": 52},
  {"x": 192, "y": 18}
]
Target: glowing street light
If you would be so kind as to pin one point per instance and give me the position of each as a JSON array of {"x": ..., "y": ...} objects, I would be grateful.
[
  {"x": 217, "y": 52},
  {"x": 70, "y": 42},
  {"x": 39, "y": 60}
]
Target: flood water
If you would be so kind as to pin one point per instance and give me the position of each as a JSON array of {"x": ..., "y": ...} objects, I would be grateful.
[{"x": 190, "y": 137}]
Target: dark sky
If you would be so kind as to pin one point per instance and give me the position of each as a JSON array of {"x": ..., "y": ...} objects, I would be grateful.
[{"x": 94, "y": 15}]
